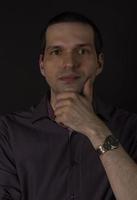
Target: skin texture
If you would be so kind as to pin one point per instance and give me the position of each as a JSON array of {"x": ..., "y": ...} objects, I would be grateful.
[{"x": 70, "y": 51}]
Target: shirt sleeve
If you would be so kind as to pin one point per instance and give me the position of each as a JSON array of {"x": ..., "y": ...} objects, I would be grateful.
[
  {"x": 9, "y": 182},
  {"x": 134, "y": 141}
]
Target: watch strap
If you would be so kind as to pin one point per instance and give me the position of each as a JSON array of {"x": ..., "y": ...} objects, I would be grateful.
[{"x": 110, "y": 143}]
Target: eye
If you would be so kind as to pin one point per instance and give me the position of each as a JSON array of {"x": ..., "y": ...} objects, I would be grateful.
[
  {"x": 83, "y": 51},
  {"x": 55, "y": 52}
]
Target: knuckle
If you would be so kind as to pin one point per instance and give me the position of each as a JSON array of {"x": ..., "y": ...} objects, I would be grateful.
[
  {"x": 69, "y": 102},
  {"x": 64, "y": 117},
  {"x": 67, "y": 109},
  {"x": 74, "y": 95}
]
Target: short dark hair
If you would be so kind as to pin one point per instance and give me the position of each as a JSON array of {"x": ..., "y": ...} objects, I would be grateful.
[{"x": 73, "y": 17}]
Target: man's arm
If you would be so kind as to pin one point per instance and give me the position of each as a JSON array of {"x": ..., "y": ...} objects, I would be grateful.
[
  {"x": 9, "y": 183},
  {"x": 122, "y": 173},
  {"x": 120, "y": 169}
]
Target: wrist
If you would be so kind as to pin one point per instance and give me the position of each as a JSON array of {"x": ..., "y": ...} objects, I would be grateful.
[
  {"x": 110, "y": 143},
  {"x": 97, "y": 135}
]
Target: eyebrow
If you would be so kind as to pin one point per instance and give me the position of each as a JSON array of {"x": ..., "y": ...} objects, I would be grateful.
[{"x": 78, "y": 45}]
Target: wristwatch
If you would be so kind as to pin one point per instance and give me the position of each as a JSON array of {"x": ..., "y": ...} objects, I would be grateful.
[{"x": 110, "y": 143}]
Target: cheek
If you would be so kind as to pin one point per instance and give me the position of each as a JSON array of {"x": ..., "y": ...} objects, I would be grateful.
[
  {"x": 89, "y": 67},
  {"x": 52, "y": 60},
  {"x": 50, "y": 72},
  {"x": 48, "y": 67}
]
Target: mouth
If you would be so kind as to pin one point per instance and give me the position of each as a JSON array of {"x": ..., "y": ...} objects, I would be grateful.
[{"x": 69, "y": 78}]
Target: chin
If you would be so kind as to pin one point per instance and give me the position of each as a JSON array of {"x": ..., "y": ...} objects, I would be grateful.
[{"x": 70, "y": 89}]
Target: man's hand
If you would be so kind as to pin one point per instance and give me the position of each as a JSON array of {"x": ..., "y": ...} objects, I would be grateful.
[{"x": 76, "y": 112}]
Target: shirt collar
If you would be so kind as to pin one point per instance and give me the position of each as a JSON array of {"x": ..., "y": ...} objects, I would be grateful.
[
  {"x": 40, "y": 111},
  {"x": 44, "y": 109}
]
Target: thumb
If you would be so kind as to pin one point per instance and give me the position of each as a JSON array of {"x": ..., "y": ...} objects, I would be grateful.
[{"x": 88, "y": 89}]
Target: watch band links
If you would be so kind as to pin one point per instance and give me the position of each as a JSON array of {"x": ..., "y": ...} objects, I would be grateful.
[
  {"x": 101, "y": 150},
  {"x": 110, "y": 143}
]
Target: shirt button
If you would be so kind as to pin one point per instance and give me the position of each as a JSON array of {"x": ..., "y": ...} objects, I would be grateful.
[{"x": 73, "y": 196}]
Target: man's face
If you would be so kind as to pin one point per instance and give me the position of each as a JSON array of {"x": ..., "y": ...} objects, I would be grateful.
[{"x": 70, "y": 57}]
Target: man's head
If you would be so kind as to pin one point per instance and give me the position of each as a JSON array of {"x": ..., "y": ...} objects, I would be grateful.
[
  {"x": 71, "y": 52},
  {"x": 73, "y": 17}
]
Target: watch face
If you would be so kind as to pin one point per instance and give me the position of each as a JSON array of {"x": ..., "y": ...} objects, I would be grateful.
[{"x": 111, "y": 143}]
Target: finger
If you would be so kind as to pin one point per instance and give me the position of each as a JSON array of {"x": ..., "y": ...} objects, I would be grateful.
[
  {"x": 58, "y": 119},
  {"x": 63, "y": 102},
  {"x": 60, "y": 111},
  {"x": 66, "y": 95}
]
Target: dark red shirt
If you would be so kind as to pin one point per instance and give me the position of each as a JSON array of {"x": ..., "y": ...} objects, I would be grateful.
[{"x": 40, "y": 161}]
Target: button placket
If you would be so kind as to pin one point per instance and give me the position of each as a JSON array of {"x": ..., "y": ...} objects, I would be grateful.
[{"x": 73, "y": 177}]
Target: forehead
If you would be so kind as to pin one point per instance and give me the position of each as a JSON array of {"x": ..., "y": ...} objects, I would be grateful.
[{"x": 69, "y": 33}]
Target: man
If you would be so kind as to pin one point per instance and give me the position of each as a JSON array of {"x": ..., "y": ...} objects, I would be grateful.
[{"x": 71, "y": 146}]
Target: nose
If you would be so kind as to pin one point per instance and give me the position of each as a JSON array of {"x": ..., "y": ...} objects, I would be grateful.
[{"x": 69, "y": 61}]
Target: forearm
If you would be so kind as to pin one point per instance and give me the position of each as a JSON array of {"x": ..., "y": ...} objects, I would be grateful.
[
  {"x": 120, "y": 169},
  {"x": 122, "y": 173}
]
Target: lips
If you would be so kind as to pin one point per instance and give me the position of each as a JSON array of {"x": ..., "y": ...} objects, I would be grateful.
[{"x": 69, "y": 78}]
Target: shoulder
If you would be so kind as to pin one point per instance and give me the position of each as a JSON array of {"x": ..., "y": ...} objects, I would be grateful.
[
  {"x": 17, "y": 116},
  {"x": 15, "y": 120},
  {"x": 22, "y": 122}
]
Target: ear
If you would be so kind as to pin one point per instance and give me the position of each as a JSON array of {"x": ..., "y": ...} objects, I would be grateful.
[
  {"x": 100, "y": 63},
  {"x": 41, "y": 65}
]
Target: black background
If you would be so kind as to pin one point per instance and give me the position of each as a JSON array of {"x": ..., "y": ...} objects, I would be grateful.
[{"x": 21, "y": 84}]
